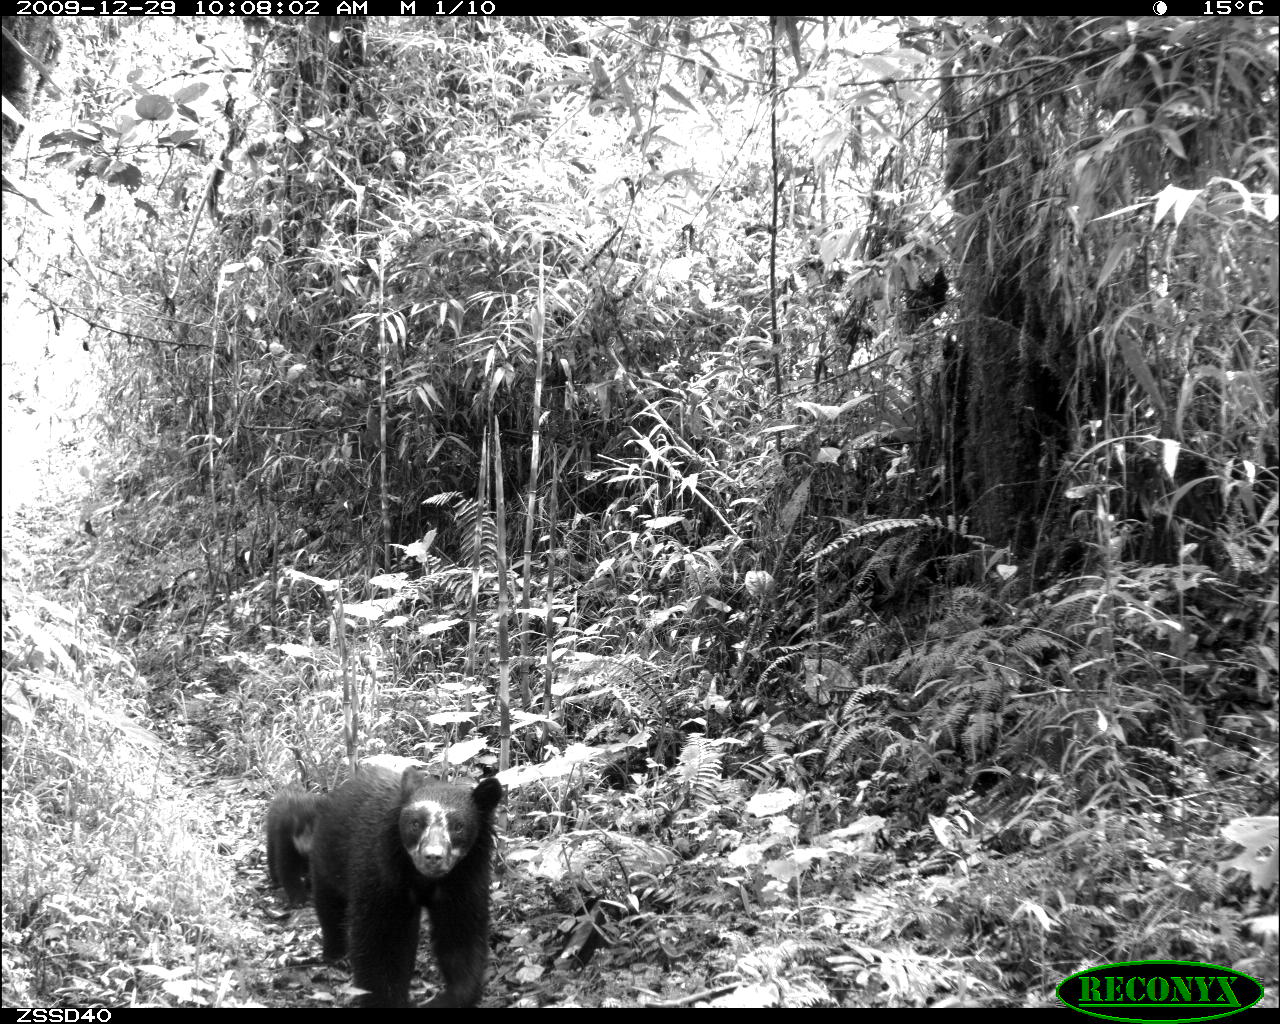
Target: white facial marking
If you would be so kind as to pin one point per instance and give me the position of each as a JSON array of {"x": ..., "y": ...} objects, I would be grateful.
[{"x": 434, "y": 854}]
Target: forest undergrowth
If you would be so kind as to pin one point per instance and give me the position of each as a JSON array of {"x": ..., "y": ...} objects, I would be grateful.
[{"x": 864, "y": 586}]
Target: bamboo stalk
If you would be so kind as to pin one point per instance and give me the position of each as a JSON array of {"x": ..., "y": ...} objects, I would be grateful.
[{"x": 504, "y": 652}]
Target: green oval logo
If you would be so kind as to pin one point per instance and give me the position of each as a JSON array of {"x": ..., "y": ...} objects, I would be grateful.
[{"x": 1164, "y": 990}]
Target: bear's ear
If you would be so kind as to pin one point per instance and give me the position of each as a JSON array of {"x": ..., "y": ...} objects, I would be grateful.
[
  {"x": 487, "y": 795},
  {"x": 412, "y": 779}
]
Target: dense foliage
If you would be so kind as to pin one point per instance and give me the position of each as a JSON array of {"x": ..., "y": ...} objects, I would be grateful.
[{"x": 829, "y": 468}]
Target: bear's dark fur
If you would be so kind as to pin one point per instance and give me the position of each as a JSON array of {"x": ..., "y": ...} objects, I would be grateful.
[
  {"x": 291, "y": 823},
  {"x": 389, "y": 845}
]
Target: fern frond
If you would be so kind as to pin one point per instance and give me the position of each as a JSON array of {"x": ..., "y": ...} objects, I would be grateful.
[
  {"x": 979, "y": 733},
  {"x": 873, "y": 737},
  {"x": 699, "y": 770},
  {"x": 866, "y": 694},
  {"x": 788, "y": 659},
  {"x": 445, "y": 499},
  {"x": 884, "y": 526}
]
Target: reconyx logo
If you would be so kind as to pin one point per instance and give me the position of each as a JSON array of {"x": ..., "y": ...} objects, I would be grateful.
[{"x": 1163, "y": 990}]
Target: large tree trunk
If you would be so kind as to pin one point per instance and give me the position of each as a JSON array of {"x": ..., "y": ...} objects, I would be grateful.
[{"x": 30, "y": 51}]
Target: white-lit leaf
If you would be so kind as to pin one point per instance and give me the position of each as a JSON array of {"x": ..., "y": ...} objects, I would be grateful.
[{"x": 764, "y": 805}]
